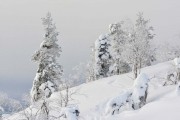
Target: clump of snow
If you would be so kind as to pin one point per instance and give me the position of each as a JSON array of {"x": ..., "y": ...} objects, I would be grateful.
[
  {"x": 177, "y": 62},
  {"x": 140, "y": 85}
]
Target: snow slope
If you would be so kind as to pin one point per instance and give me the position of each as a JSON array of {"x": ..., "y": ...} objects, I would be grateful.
[
  {"x": 162, "y": 102},
  {"x": 93, "y": 97}
]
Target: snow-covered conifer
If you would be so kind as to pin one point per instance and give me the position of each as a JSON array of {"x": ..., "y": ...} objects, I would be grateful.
[
  {"x": 118, "y": 36},
  {"x": 49, "y": 72},
  {"x": 102, "y": 56}
]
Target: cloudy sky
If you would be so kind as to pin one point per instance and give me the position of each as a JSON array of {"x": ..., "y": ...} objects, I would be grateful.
[{"x": 79, "y": 22}]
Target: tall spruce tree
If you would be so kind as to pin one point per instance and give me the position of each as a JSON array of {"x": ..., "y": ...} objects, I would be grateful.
[
  {"x": 49, "y": 72},
  {"x": 102, "y": 56}
]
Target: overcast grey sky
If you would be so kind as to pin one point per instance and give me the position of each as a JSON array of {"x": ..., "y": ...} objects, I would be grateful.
[{"x": 79, "y": 22}]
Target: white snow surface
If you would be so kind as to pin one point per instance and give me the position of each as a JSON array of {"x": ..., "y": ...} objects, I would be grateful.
[
  {"x": 93, "y": 98},
  {"x": 177, "y": 63}
]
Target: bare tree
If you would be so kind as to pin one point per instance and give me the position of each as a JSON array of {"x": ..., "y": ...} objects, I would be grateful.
[
  {"x": 90, "y": 74},
  {"x": 65, "y": 95}
]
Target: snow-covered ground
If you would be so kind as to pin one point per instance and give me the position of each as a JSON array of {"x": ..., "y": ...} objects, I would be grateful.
[{"x": 162, "y": 102}]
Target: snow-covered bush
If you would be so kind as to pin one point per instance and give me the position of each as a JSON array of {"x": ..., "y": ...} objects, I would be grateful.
[
  {"x": 102, "y": 56},
  {"x": 173, "y": 76},
  {"x": 140, "y": 91},
  {"x": 115, "y": 104},
  {"x": 70, "y": 113},
  {"x": 170, "y": 79},
  {"x": 49, "y": 72}
]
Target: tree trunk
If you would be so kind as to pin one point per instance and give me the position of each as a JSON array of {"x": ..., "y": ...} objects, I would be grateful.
[
  {"x": 178, "y": 75},
  {"x": 135, "y": 71}
]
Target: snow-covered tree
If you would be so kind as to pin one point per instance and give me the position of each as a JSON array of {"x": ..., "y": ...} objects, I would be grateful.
[
  {"x": 102, "y": 56},
  {"x": 90, "y": 74},
  {"x": 49, "y": 72},
  {"x": 118, "y": 36},
  {"x": 140, "y": 91},
  {"x": 138, "y": 47}
]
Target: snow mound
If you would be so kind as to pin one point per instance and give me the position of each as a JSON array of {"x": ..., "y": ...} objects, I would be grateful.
[
  {"x": 139, "y": 94},
  {"x": 116, "y": 103}
]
